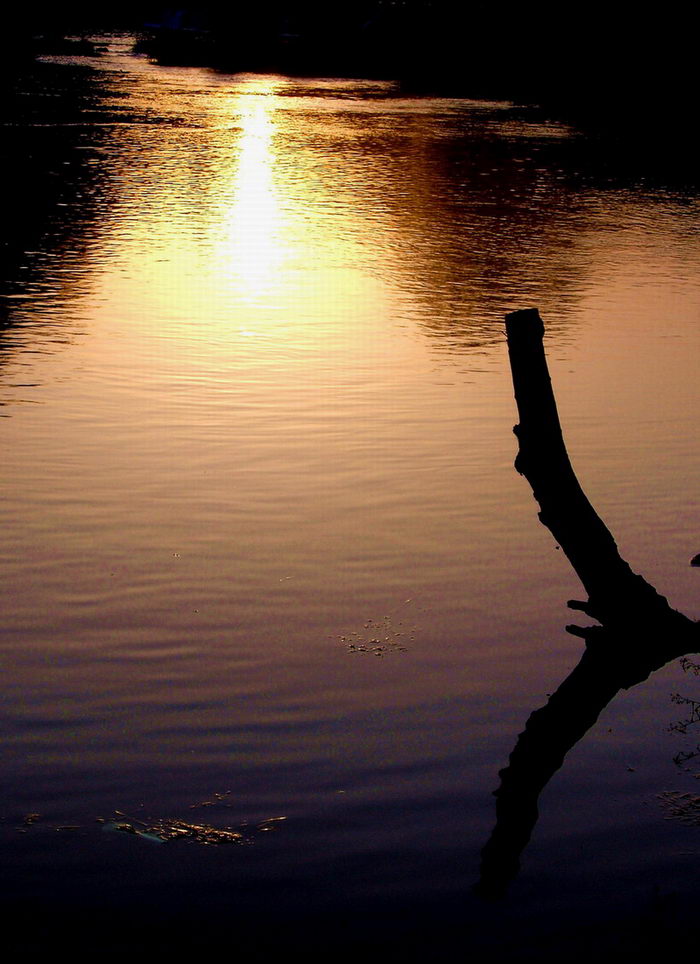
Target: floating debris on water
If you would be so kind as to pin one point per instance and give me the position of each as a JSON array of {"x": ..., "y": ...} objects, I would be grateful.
[
  {"x": 27, "y": 821},
  {"x": 681, "y": 806},
  {"x": 218, "y": 799},
  {"x": 381, "y": 638},
  {"x": 167, "y": 830},
  {"x": 689, "y": 666},
  {"x": 692, "y": 713},
  {"x": 269, "y": 824}
]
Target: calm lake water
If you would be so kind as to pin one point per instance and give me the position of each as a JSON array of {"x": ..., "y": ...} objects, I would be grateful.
[{"x": 264, "y": 550}]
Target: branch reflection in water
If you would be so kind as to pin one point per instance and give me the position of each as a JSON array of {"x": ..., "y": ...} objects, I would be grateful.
[{"x": 636, "y": 633}]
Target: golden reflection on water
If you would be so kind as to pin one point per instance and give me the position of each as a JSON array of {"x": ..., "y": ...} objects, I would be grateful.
[
  {"x": 251, "y": 248},
  {"x": 255, "y": 448},
  {"x": 220, "y": 229}
]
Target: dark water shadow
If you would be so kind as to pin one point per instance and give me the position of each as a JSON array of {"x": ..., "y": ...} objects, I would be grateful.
[
  {"x": 636, "y": 633},
  {"x": 52, "y": 166}
]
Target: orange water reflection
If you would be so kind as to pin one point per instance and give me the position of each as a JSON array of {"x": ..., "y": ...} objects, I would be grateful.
[
  {"x": 251, "y": 250},
  {"x": 287, "y": 419}
]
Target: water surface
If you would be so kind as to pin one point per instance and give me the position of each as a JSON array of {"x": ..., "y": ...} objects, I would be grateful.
[{"x": 262, "y": 537}]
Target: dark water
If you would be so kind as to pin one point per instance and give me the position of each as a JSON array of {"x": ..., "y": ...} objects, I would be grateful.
[{"x": 264, "y": 551}]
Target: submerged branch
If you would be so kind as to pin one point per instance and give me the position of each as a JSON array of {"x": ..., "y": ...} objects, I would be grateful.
[
  {"x": 637, "y": 630},
  {"x": 617, "y": 597}
]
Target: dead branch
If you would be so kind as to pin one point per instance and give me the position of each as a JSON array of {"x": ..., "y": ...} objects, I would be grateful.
[{"x": 637, "y": 631}]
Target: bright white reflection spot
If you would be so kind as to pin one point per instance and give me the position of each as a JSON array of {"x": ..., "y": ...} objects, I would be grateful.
[{"x": 252, "y": 247}]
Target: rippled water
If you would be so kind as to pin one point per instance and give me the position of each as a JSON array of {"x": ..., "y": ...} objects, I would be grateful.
[{"x": 263, "y": 546}]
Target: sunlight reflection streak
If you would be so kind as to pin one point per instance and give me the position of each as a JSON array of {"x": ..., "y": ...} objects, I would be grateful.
[{"x": 251, "y": 250}]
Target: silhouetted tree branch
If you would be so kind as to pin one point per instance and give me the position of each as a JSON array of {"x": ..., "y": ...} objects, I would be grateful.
[{"x": 637, "y": 631}]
